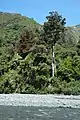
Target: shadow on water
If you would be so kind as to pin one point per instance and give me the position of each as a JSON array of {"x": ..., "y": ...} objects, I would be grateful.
[{"x": 38, "y": 113}]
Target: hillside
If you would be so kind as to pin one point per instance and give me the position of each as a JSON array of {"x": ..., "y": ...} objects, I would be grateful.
[
  {"x": 11, "y": 27},
  {"x": 25, "y": 58},
  {"x": 13, "y": 22},
  {"x": 7, "y": 19},
  {"x": 72, "y": 35}
]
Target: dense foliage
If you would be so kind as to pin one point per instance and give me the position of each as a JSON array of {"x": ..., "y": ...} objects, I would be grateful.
[
  {"x": 53, "y": 31},
  {"x": 25, "y": 58}
]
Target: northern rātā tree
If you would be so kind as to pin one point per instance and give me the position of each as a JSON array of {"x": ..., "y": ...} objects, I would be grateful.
[{"x": 53, "y": 31}]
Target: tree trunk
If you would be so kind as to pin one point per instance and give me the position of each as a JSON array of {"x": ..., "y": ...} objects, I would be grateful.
[{"x": 53, "y": 62}]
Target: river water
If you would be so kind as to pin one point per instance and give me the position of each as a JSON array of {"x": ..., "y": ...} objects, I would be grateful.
[{"x": 38, "y": 113}]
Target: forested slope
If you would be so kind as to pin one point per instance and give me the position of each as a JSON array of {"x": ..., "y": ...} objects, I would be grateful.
[{"x": 25, "y": 58}]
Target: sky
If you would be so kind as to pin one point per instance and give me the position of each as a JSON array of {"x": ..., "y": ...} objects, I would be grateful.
[{"x": 39, "y": 9}]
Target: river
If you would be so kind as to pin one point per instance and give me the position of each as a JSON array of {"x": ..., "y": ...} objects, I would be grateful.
[
  {"x": 38, "y": 113},
  {"x": 39, "y": 107}
]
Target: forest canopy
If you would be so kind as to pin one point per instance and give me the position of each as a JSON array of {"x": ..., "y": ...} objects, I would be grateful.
[{"x": 26, "y": 55}]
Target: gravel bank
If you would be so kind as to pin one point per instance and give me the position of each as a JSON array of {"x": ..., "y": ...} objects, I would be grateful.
[{"x": 40, "y": 100}]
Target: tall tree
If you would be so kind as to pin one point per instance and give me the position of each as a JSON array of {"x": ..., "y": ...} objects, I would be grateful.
[{"x": 53, "y": 31}]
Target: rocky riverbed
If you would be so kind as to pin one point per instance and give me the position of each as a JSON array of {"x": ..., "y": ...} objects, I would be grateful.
[{"x": 40, "y": 100}]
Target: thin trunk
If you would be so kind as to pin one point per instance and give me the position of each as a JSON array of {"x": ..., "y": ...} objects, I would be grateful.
[{"x": 53, "y": 63}]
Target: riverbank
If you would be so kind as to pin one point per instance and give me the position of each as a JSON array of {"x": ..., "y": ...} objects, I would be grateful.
[{"x": 40, "y": 100}]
